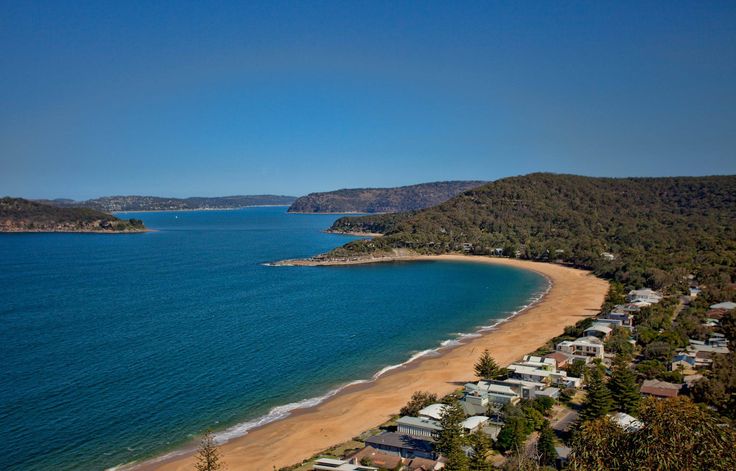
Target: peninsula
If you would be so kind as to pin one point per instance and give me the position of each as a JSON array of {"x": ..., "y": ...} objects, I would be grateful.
[
  {"x": 20, "y": 215},
  {"x": 381, "y": 200}
]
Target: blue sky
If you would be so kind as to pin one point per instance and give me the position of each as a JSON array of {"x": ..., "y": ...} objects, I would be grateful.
[{"x": 215, "y": 98}]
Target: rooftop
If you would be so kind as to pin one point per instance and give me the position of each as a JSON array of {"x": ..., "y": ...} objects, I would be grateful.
[
  {"x": 434, "y": 411},
  {"x": 471, "y": 423},
  {"x": 658, "y": 388},
  {"x": 400, "y": 440},
  {"x": 420, "y": 422}
]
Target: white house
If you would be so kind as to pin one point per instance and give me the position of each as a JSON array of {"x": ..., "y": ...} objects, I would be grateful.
[
  {"x": 584, "y": 347},
  {"x": 332, "y": 464},
  {"x": 644, "y": 296},
  {"x": 433, "y": 411},
  {"x": 471, "y": 424},
  {"x": 598, "y": 329},
  {"x": 418, "y": 426}
]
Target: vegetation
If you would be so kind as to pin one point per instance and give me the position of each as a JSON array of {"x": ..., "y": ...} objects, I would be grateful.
[
  {"x": 419, "y": 400},
  {"x": 450, "y": 439},
  {"x": 381, "y": 200},
  {"x": 656, "y": 229},
  {"x": 598, "y": 400},
  {"x": 520, "y": 421},
  {"x": 19, "y": 215},
  {"x": 486, "y": 367},
  {"x": 208, "y": 456},
  {"x": 546, "y": 446},
  {"x": 678, "y": 435},
  {"x": 482, "y": 447},
  {"x": 623, "y": 387}
]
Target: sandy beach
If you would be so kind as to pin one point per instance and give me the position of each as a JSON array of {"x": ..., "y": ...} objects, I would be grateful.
[{"x": 574, "y": 294}]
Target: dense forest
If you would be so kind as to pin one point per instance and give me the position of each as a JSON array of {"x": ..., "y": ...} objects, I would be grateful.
[
  {"x": 638, "y": 231},
  {"x": 381, "y": 200},
  {"x": 20, "y": 215},
  {"x": 157, "y": 203}
]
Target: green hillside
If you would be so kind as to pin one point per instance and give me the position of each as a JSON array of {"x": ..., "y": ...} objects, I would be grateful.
[
  {"x": 640, "y": 231},
  {"x": 20, "y": 215}
]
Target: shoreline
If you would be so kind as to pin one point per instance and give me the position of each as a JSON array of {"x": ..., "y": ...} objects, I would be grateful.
[
  {"x": 354, "y": 233},
  {"x": 309, "y": 426},
  {"x": 199, "y": 209}
]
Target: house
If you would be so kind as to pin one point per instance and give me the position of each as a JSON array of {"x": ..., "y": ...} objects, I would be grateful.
[
  {"x": 626, "y": 422},
  {"x": 607, "y": 256},
  {"x": 584, "y": 347},
  {"x": 694, "y": 292},
  {"x": 548, "y": 376},
  {"x": 484, "y": 394},
  {"x": 683, "y": 362},
  {"x": 626, "y": 318},
  {"x": 382, "y": 460},
  {"x": 598, "y": 329},
  {"x": 473, "y": 423},
  {"x": 561, "y": 358},
  {"x": 332, "y": 464},
  {"x": 728, "y": 306},
  {"x": 644, "y": 296},
  {"x": 538, "y": 362},
  {"x": 418, "y": 426},
  {"x": 423, "y": 464},
  {"x": 433, "y": 411},
  {"x": 662, "y": 389},
  {"x": 402, "y": 445}
]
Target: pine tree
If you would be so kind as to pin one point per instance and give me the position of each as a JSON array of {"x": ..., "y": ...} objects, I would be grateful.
[
  {"x": 598, "y": 399},
  {"x": 449, "y": 440},
  {"x": 482, "y": 446},
  {"x": 486, "y": 367},
  {"x": 623, "y": 387},
  {"x": 546, "y": 446},
  {"x": 208, "y": 456}
]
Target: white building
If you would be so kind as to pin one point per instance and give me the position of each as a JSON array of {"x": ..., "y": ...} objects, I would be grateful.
[
  {"x": 584, "y": 347},
  {"x": 332, "y": 464},
  {"x": 471, "y": 424},
  {"x": 418, "y": 426},
  {"x": 433, "y": 411},
  {"x": 644, "y": 296}
]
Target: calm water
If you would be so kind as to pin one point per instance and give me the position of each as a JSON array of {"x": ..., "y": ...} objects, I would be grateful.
[{"x": 119, "y": 347}]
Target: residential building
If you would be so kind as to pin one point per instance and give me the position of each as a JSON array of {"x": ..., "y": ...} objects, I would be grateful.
[
  {"x": 728, "y": 306},
  {"x": 473, "y": 423},
  {"x": 332, "y": 464},
  {"x": 377, "y": 458},
  {"x": 584, "y": 347},
  {"x": 626, "y": 422},
  {"x": 561, "y": 358},
  {"x": 644, "y": 296},
  {"x": 402, "y": 445},
  {"x": 418, "y": 426},
  {"x": 433, "y": 411},
  {"x": 626, "y": 318},
  {"x": 598, "y": 329},
  {"x": 661, "y": 389}
]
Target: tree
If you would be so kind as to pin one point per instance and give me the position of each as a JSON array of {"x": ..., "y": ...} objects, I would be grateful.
[
  {"x": 618, "y": 342},
  {"x": 208, "y": 456},
  {"x": 546, "y": 446},
  {"x": 677, "y": 435},
  {"x": 419, "y": 400},
  {"x": 486, "y": 367},
  {"x": 623, "y": 387},
  {"x": 597, "y": 401},
  {"x": 728, "y": 325},
  {"x": 450, "y": 439},
  {"x": 513, "y": 434},
  {"x": 482, "y": 447}
]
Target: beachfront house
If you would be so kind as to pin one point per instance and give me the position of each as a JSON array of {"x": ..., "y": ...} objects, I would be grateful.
[
  {"x": 598, "y": 329},
  {"x": 480, "y": 396},
  {"x": 421, "y": 427},
  {"x": 332, "y": 464},
  {"x": 402, "y": 445},
  {"x": 584, "y": 348},
  {"x": 626, "y": 318},
  {"x": 376, "y": 457},
  {"x": 433, "y": 411},
  {"x": 543, "y": 376},
  {"x": 561, "y": 359},
  {"x": 644, "y": 297}
]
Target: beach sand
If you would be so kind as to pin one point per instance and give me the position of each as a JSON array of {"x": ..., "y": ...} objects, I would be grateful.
[{"x": 574, "y": 294}]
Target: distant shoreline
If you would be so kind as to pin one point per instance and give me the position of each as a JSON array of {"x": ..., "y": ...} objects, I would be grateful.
[
  {"x": 199, "y": 209},
  {"x": 573, "y": 294},
  {"x": 40, "y": 231}
]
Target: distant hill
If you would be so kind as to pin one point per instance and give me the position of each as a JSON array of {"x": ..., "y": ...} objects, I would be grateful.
[
  {"x": 157, "y": 203},
  {"x": 381, "y": 200},
  {"x": 20, "y": 215},
  {"x": 640, "y": 231}
]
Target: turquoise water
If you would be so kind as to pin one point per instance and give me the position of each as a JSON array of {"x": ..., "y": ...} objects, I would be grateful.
[{"x": 119, "y": 347}]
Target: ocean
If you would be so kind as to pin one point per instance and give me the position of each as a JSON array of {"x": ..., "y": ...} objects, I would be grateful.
[{"x": 117, "y": 348}]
